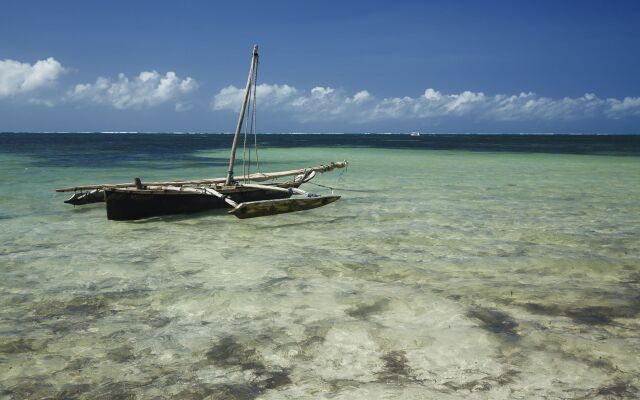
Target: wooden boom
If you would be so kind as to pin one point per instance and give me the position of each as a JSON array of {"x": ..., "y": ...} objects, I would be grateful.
[{"x": 256, "y": 177}]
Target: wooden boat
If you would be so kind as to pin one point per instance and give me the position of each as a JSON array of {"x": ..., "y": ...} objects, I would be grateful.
[{"x": 127, "y": 201}]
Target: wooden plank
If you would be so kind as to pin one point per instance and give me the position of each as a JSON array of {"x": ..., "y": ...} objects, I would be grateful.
[{"x": 272, "y": 207}]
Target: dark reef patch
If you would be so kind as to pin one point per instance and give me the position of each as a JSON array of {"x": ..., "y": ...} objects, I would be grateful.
[
  {"x": 573, "y": 354},
  {"x": 123, "y": 390},
  {"x": 370, "y": 270},
  {"x": 86, "y": 305},
  {"x": 14, "y": 346},
  {"x": 158, "y": 321},
  {"x": 81, "y": 305},
  {"x": 590, "y": 315},
  {"x": 219, "y": 392},
  {"x": 363, "y": 311},
  {"x": 276, "y": 282},
  {"x": 235, "y": 392},
  {"x": 495, "y": 321},
  {"x": 78, "y": 363},
  {"x": 228, "y": 352},
  {"x": 72, "y": 391},
  {"x": 619, "y": 389},
  {"x": 542, "y": 309},
  {"x": 317, "y": 332},
  {"x": 312, "y": 340},
  {"x": 121, "y": 354},
  {"x": 31, "y": 388},
  {"x": 274, "y": 379},
  {"x": 315, "y": 336},
  {"x": 396, "y": 367}
]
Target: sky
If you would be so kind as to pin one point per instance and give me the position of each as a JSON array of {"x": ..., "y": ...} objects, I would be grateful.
[{"x": 325, "y": 66}]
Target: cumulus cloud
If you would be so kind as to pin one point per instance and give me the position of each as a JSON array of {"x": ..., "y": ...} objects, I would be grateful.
[
  {"x": 230, "y": 97},
  {"x": 17, "y": 77},
  {"x": 628, "y": 106},
  {"x": 326, "y": 103},
  {"x": 308, "y": 106},
  {"x": 182, "y": 107},
  {"x": 146, "y": 90}
]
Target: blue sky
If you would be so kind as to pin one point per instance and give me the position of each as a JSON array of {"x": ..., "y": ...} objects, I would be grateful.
[{"x": 326, "y": 66}]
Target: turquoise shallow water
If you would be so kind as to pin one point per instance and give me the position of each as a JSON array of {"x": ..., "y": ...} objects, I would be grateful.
[{"x": 439, "y": 274}]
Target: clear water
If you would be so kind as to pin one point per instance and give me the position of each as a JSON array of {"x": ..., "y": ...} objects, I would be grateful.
[{"x": 447, "y": 274}]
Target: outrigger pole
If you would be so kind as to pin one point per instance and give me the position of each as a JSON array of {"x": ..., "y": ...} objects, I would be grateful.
[
  {"x": 232, "y": 158},
  {"x": 255, "y": 177}
]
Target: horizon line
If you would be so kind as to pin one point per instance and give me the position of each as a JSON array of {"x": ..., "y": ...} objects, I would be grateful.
[{"x": 414, "y": 133}]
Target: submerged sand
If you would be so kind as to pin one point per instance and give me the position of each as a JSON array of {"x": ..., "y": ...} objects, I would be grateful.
[{"x": 442, "y": 274}]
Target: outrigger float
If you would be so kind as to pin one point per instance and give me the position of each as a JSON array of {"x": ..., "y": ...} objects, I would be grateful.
[{"x": 246, "y": 197}]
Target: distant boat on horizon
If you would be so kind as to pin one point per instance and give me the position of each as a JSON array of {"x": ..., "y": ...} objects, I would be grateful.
[{"x": 414, "y": 134}]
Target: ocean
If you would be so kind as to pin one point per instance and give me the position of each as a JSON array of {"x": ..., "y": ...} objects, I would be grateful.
[{"x": 453, "y": 267}]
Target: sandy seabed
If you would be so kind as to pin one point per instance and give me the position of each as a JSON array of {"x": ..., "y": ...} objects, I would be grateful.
[{"x": 439, "y": 274}]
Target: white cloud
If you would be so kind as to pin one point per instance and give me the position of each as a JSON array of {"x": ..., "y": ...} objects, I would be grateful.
[
  {"x": 17, "y": 77},
  {"x": 146, "y": 90},
  {"x": 326, "y": 103},
  {"x": 628, "y": 106},
  {"x": 360, "y": 97},
  {"x": 181, "y": 107},
  {"x": 315, "y": 104},
  {"x": 230, "y": 98},
  {"x": 320, "y": 92}
]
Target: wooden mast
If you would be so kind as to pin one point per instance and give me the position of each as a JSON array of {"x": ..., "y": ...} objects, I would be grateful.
[{"x": 232, "y": 158}]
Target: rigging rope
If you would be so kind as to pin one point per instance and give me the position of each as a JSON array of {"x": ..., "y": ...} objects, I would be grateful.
[
  {"x": 251, "y": 128},
  {"x": 255, "y": 126},
  {"x": 244, "y": 144},
  {"x": 340, "y": 178}
]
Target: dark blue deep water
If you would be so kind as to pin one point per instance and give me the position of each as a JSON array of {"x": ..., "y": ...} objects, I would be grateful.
[{"x": 106, "y": 149}]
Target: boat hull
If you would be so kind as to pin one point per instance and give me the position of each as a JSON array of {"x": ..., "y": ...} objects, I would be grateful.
[
  {"x": 265, "y": 208},
  {"x": 126, "y": 205}
]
